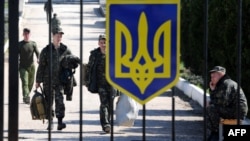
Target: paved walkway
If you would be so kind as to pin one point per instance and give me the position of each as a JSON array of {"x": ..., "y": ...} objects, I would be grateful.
[{"x": 188, "y": 114}]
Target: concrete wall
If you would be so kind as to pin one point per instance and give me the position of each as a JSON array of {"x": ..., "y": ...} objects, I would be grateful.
[{"x": 192, "y": 91}]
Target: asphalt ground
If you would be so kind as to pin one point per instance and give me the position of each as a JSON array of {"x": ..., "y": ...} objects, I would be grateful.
[{"x": 188, "y": 114}]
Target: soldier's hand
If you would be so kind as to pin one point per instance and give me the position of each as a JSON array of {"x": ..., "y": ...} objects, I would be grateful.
[{"x": 212, "y": 85}]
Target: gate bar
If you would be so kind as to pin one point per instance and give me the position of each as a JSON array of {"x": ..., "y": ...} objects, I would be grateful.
[
  {"x": 81, "y": 56},
  {"x": 205, "y": 67},
  {"x": 13, "y": 70},
  {"x": 239, "y": 57},
  {"x": 2, "y": 68},
  {"x": 173, "y": 114},
  {"x": 144, "y": 123},
  {"x": 50, "y": 68}
]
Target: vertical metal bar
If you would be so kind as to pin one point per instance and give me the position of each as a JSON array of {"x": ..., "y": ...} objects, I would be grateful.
[
  {"x": 205, "y": 67},
  {"x": 173, "y": 114},
  {"x": 13, "y": 70},
  {"x": 81, "y": 56},
  {"x": 2, "y": 68},
  {"x": 239, "y": 57},
  {"x": 144, "y": 123},
  {"x": 111, "y": 111},
  {"x": 50, "y": 67}
]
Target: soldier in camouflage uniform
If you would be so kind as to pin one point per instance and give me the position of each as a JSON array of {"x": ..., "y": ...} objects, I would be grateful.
[
  {"x": 59, "y": 50},
  {"x": 26, "y": 50},
  {"x": 104, "y": 89},
  {"x": 48, "y": 9},
  {"x": 223, "y": 104}
]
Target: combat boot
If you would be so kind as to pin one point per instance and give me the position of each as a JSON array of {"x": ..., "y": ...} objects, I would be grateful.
[
  {"x": 61, "y": 126},
  {"x": 107, "y": 128},
  {"x": 26, "y": 100}
]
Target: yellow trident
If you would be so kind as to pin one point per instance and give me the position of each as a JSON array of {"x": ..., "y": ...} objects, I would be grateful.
[{"x": 143, "y": 74}]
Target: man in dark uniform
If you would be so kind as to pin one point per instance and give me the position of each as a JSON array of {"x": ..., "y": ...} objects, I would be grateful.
[
  {"x": 48, "y": 9},
  {"x": 223, "y": 104},
  {"x": 104, "y": 89},
  {"x": 26, "y": 50},
  {"x": 59, "y": 50}
]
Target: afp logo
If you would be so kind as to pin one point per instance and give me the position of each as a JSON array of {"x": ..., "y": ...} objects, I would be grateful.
[
  {"x": 143, "y": 48},
  {"x": 240, "y": 132}
]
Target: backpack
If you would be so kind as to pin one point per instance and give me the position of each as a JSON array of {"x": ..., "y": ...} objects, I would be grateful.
[
  {"x": 91, "y": 71},
  {"x": 38, "y": 106}
]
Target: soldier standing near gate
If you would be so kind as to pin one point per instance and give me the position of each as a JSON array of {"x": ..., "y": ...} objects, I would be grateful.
[{"x": 223, "y": 104}]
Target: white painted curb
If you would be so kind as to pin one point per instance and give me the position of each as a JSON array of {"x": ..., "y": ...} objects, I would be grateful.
[{"x": 192, "y": 91}]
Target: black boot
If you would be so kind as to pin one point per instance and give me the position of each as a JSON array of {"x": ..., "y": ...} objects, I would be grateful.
[
  {"x": 26, "y": 100},
  {"x": 60, "y": 125}
]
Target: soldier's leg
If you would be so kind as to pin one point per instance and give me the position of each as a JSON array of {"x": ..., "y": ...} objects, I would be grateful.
[
  {"x": 24, "y": 78},
  {"x": 49, "y": 98},
  {"x": 31, "y": 76},
  {"x": 104, "y": 109},
  {"x": 213, "y": 119},
  {"x": 60, "y": 107}
]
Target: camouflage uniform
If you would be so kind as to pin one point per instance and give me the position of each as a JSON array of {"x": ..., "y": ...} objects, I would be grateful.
[
  {"x": 43, "y": 77},
  {"x": 105, "y": 90},
  {"x": 26, "y": 51},
  {"x": 223, "y": 103}
]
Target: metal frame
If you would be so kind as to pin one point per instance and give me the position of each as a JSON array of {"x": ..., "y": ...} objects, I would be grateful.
[{"x": 13, "y": 68}]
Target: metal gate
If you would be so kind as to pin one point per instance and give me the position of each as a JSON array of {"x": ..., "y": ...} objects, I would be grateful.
[{"x": 13, "y": 112}]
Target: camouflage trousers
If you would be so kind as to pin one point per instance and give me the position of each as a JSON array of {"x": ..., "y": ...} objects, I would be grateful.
[
  {"x": 56, "y": 94},
  {"x": 27, "y": 78},
  {"x": 106, "y": 97},
  {"x": 214, "y": 114}
]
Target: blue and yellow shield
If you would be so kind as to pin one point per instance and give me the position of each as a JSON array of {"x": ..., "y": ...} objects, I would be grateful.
[{"x": 143, "y": 46}]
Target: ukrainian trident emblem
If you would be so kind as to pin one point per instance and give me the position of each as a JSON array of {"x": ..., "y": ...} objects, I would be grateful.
[
  {"x": 142, "y": 67},
  {"x": 142, "y": 57}
]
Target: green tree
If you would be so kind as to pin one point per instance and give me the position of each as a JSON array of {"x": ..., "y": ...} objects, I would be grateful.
[{"x": 222, "y": 37}]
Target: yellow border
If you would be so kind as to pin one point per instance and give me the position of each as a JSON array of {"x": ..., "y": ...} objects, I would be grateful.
[{"x": 173, "y": 83}]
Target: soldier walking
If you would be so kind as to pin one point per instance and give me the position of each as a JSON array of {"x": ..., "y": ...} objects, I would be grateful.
[
  {"x": 59, "y": 50},
  {"x": 96, "y": 72},
  {"x": 26, "y": 50}
]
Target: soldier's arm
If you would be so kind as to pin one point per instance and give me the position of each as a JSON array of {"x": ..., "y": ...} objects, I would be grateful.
[
  {"x": 36, "y": 51},
  {"x": 41, "y": 67}
]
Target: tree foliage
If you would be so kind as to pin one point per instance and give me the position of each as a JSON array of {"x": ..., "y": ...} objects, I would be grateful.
[{"x": 223, "y": 21}]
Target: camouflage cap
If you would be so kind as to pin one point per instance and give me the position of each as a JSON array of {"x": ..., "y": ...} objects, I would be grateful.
[
  {"x": 218, "y": 69},
  {"x": 58, "y": 31},
  {"x": 102, "y": 36}
]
